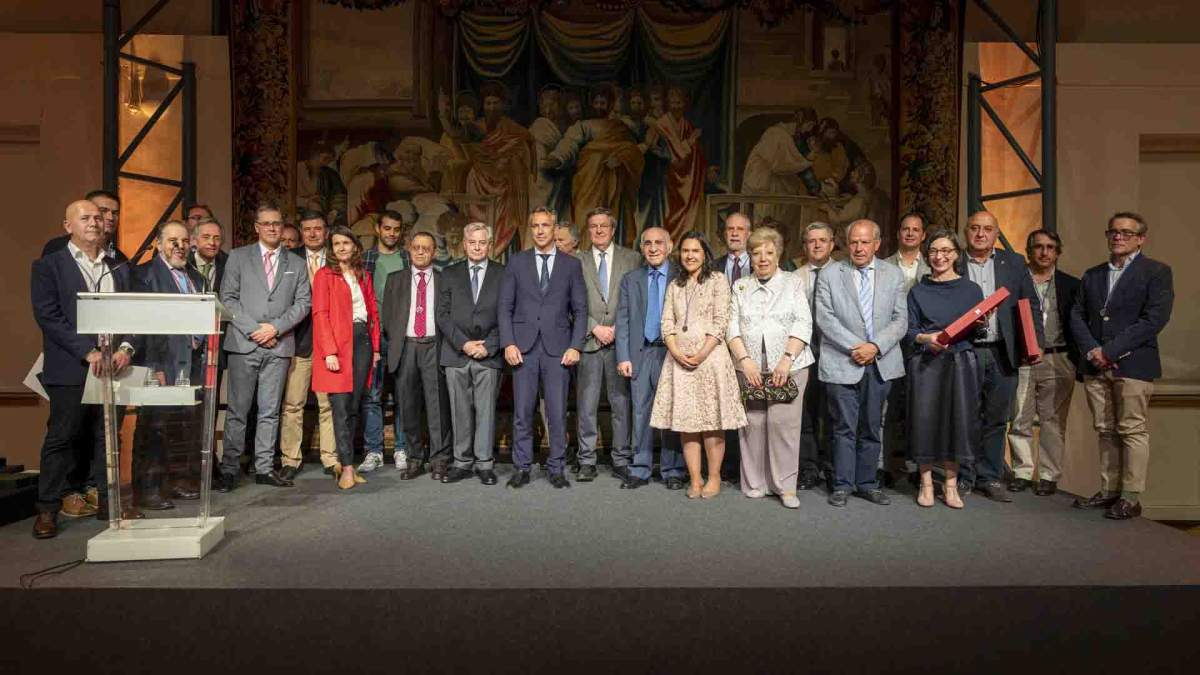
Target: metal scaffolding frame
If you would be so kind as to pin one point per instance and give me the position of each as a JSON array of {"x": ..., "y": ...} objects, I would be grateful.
[
  {"x": 115, "y": 157},
  {"x": 1045, "y": 71}
]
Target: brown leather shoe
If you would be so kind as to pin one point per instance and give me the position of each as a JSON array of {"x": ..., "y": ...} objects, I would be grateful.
[
  {"x": 92, "y": 496},
  {"x": 75, "y": 505},
  {"x": 413, "y": 469},
  {"x": 45, "y": 526},
  {"x": 1096, "y": 501},
  {"x": 1123, "y": 510}
]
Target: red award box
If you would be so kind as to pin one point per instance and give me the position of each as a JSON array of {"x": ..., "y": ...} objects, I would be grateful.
[
  {"x": 965, "y": 324},
  {"x": 1028, "y": 332}
]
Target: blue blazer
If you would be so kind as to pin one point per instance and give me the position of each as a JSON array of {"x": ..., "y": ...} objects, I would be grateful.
[
  {"x": 559, "y": 317},
  {"x": 167, "y": 353},
  {"x": 1127, "y": 329},
  {"x": 53, "y": 284},
  {"x": 631, "y": 315}
]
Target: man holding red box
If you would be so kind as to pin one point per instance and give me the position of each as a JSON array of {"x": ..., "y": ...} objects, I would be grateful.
[{"x": 998, "y": 349}]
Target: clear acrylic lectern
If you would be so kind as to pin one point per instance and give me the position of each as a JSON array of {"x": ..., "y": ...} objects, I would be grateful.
[{"x": 159, "y": 422}]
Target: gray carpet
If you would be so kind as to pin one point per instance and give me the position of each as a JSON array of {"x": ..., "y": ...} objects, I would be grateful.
[{"x": 421, "y": 534}]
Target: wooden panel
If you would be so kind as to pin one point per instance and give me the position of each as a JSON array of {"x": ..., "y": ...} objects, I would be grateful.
[
  {"x": 20, "y": 134},
  {"x": 1169, "y": 144}
]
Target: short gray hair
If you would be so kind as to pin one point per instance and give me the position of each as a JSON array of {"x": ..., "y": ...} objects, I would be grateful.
[
  {"x": 163, "y": 228},
  {"x": 543, "y": 209},
  {"x": 876, "y": 232},
  {"x": 571, "y": 229},
  {"x": 476, "y": 226},
  {"x": 817, "y": 225}
]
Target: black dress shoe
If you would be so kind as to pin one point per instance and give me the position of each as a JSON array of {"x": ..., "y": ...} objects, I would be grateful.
[
  {"x": 288, "y": 473},
  {"x": 153, "y": 502},
  {"x": 519, "y": 479},
  {"x": 45, "y": 526},
  {"x": 226, "y": 482},
  {"x": 838, "y": 498},
  {"x": 633, "y": 483},
  {"x": 1123, "y": 510},
  {"x": 185, "y": 493},
  {"x": 620, "y": 472},
  {"x": 437, "y": 471},
  {"x": 273, "y": 479},
  {"x": 994, "y": 491},
  {"x": 456, "y": 474},
  {"x": 1096, "y": 501},
  {"x": 559, "y": 481},
  {"x": 412, "y": 469},
  {"x": 1019, "y": 485},
  {"x": 874, "y": 496},
  {"x": 808, "y": 481},
  {"x": 1045, "y": 488},
  {"x": 587, "y": 473},
  {"x": 675, "y": 483},
  {"x": 487, "y": 476}
]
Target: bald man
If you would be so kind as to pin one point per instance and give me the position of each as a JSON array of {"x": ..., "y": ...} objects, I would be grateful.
[
  {"x": 110, "y": 219},
  {"x": 73, "y": 430}
]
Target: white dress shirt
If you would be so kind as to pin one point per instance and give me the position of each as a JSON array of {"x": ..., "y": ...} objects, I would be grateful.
[
  {"x": 537, "y": 261},
  {"x": 357, "y": 303},
  {"x": 771, "y": 312},
  {"x": 95, "y": 272},
  {"x": 430, "y": 315},
  {"x": 316, "y": 258}
]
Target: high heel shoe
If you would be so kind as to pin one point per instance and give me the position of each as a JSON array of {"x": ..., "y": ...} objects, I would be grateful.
[
  {"x": 951, "y": 497},
  {"x": 711, "y": 489},
  {"x": 922, "y": 499},
  {"x": 335, "y": 470}
]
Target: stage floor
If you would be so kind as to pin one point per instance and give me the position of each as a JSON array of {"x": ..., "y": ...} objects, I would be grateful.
[{"x": 425, "y": 535}]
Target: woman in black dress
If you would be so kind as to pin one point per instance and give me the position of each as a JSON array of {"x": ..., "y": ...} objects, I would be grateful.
[{"x": 943, "y": 381}]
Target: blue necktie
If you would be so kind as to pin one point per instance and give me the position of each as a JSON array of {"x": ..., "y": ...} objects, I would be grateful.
[
  {"x": 603, "y": 276},
  {"x": 653, "y": 327},
  {"x": 865, "y": 303},
  {"x": 475, "y": 283},
  {"x": 544, "y": 275},
  {"x": 181, "y": 281}
]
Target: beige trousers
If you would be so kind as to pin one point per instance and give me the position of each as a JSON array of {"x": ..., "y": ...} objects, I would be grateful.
[
  {"x": 291, "y": 424},
  {"x": 769, "y": 444},
  {"x": 1119, "y": 407},
  {"x": 1043, "y": 393}
]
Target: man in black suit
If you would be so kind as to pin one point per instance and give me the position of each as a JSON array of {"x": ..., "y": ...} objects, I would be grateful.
[
  {"x": 1044, "y": 390},
  {"x": 80, "y": 266},
  {"x": 1122, "y": 307},
  {"x": 999, "y": 349},
  {"x": 735, "y": 264},
  {"x": 110, "y": 215},
  {"x": 470, "y": 353},
  {"x": 207, "y": 257},
  {"x": 161, "y": 429},
  {"x": 409, "y": 322}
]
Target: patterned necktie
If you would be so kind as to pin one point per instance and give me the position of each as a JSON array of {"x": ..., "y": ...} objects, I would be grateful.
[
  {"x": 603, "y": 273},
  {"x": 865, "y": 297},
  {"x": 269, "y": 269},
  {"x": 544, "y": 274},
  {"x": 737, "y": 269},
  {"x": 205, "y": 270},
  {"x": 475, "y": 283},
  {"x": 419, "y": 322},
  {"x": 181, "y": 281},
  {"x": 314, "y": 263},
  {"x": 652, "y": 329}
]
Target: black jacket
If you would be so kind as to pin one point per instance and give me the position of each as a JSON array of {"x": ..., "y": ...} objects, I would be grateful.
[
  {"x": 1125, "y": 324},
  {"x": 460, "y": 319}
]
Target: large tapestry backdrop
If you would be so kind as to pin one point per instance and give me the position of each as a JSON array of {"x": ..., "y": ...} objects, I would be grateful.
[{"x": 456, "y": 111}]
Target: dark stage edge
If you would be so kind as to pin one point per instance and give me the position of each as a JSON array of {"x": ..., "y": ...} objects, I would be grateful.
[{"x": 467, "y": 578}]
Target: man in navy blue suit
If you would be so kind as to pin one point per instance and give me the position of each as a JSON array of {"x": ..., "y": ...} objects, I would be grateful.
[
  {"x": 80, "y": 266},
  {"x": 543, "y": 323},
  {"x": 1122, "y": 306},
  {"x": 640, "y": 356}
]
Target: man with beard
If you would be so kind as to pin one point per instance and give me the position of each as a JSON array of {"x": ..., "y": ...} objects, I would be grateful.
[
  {"x": 834, "y": 156},
  {"x": 652, "y": 200},
  {"x": 779, "y": 165},
  {"x": 684, "y": 184},
  {"x": 460, "y": 136},
  {"x": 503, "y": 167},
  {"x": 549, "y": 187},
  {"x": 573, "y": 105},
  {"x": 608, "y": 166}
]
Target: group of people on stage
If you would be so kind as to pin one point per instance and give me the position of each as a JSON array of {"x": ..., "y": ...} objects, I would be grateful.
[{"x": 806, "y": 375}]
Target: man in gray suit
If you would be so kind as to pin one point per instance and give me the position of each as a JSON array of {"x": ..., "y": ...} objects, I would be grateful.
[
  {"x": 862, "y": 311},
  {"x": 640, "y": 356},
  {"x": 266, "y": 292},
  {"x": 604, "y": 264},
  {"x": 913, "y": 266},
  {"x": 470, "y": 354}
]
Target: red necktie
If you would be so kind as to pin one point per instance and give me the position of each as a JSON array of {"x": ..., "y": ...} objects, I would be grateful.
[{"x": 419, "y": 322}]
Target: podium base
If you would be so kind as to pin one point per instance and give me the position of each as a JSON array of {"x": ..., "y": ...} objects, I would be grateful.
[{"x": 158, "y": 539}]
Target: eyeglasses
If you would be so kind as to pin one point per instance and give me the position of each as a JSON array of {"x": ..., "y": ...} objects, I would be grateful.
[
  {"x": 941, "y": 252},
  {"x": 1121, "y": 234}
]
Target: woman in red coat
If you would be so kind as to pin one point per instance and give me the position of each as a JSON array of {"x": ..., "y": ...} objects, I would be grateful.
[{"x": 345, "y": 342}]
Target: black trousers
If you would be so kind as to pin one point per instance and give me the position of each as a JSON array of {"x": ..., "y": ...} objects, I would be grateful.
[
  {"x": 421, "y": 388},
  {"x": 815, "y": 458},
  {"x": 347, "y": 406},
  {"x": 73, "y": 430}
]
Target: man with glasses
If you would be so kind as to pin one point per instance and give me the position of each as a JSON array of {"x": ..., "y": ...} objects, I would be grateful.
[
  {"x": 266, "y": 292},
  {"x": 1044, "y": 390},
  {"x": 999, "y": 350},
  {"x": 1123, "y": 305}
]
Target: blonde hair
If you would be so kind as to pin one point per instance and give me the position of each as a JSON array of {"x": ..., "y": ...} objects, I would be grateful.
[{"x": 765, "y": 235}]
